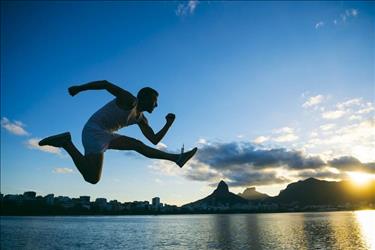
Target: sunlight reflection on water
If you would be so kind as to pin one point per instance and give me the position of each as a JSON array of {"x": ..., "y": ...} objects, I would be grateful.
[
  {"x": 325, "y": 230},
  {"x": 366, "y": 220}
]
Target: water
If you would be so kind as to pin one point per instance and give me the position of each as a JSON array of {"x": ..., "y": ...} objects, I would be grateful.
[{"x": 328, "y": 230}]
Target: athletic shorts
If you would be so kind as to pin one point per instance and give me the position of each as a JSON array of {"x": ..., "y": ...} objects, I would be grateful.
[{"x": 95, "y": 139}]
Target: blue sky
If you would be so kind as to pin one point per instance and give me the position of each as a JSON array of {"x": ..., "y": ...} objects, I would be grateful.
[{"x": 244, "y": 76}]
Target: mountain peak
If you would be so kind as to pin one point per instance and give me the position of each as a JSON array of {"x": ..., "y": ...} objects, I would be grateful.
[
  {"x": 250, "y": 193},
  {"x": 222, "y": 187},
  {"x": 220, "y": 197}
]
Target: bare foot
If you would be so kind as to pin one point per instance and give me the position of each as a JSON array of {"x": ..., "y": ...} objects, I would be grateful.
[
  {"x": 58, "y": 140},
  {"x": 184, "y": 157}
]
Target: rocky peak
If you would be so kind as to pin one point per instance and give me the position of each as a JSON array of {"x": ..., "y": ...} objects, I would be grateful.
[{"x": 222, "y": 188}]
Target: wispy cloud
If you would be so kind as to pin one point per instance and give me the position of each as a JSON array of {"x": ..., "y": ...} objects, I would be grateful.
[
  {"x": 261, "y": 139},
  {"x": 334, "y": 114},
  {"x": 313, "y": 101},
  {"x": 286, "y": 138},
  {"x": 62, "y": 171},
  {"x": 15, "y": 127},
  {"x": 33, "y": 144},
  {"x": 345, "y": 16},
  {"x": 351, "y": 108},
  {"x": 327, "y": 127},
  {"x": 285, "y": 134},
  {"x": 342, "y": 18},
  {"x": 186, "y": 8},
  {"x": 356, "y": 139},
  {"x": 349, "y": 103},
  {"x": 319, "y": 25}
]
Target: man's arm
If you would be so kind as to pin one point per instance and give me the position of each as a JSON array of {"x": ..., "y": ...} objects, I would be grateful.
[
  {"x": 148, "y": 132},
  {"x": 118, "y": 92}
]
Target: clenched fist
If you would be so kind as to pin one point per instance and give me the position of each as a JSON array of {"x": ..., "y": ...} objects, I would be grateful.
[{"x": 170, "y": 118}]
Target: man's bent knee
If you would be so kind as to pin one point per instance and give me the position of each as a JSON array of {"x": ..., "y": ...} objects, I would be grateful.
[
  {"x": 93, "y": 168},
  {"x": 92, "y": 179}
]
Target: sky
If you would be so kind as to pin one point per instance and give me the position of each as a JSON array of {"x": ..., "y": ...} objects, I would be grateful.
[{"x": 269, "y": 92}]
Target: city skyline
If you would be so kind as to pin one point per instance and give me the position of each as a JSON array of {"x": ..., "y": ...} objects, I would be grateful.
[{"x": 269, "y": 92}]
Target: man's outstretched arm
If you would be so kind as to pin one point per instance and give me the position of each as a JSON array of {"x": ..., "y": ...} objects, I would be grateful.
[
  {"x": 149, "y": 133},
  {"x": 103, "y": 84}
]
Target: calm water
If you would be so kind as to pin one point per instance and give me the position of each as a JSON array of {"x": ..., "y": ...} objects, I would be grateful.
[{"x": 332, "y": 230}]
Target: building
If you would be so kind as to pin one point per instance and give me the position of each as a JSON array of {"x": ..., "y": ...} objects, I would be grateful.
[
  {"x": 155, "y": 202},
  {"x": 14, "y": 198},
  {"x": 29, "y": 195},
  {"x": 84, "y": 201},
  {"x": 49, "y": 199},
  {"x": 101, "y": 203},
  {"x": 64, "y": 201},
  {"x": 140, "y": 205}
]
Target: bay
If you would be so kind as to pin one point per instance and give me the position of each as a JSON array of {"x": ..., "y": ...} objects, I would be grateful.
[{"x": 320, "y": 230}]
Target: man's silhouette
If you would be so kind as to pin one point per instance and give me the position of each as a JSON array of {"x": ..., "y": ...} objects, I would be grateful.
[{"x": 98, "y": 135}]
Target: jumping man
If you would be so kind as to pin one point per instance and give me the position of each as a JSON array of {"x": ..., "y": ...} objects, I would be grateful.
[{"x": 98, "y": 134}]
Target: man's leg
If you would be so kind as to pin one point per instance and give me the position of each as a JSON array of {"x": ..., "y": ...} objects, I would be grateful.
[
  {"x": 128, "y": 143},
  {"x": 90, "y": 166}
]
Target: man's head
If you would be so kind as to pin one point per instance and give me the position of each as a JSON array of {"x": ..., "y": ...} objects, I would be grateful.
[{"x": 147, "y": 99}]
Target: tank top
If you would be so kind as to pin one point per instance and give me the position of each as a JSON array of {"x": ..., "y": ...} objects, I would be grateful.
[{"x": 112, "y": 118}]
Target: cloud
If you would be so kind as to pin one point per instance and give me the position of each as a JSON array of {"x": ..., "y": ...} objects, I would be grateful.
[
  {"x": 202, "y": 141},
  {"x": 349, "y": 103},
  {"x": 313, "y": 101},
  {"x": 286, "y": 138},
  {"x": 332, "y": 115},
  {"x": 366, "y": 110},
  {"x": 356, "y": 139},
  {"x": 202, "y": 172},
  {"x": 242, "y": 164},
  {"x": 327, "y": 127},
  {"x": 15, "y": 127},
  {"x": 63, "y": 171},
  {"x": 33, "y": 144},
  {"x": 285, "y": 134},
  {"x": 261, "y": 139},
  {"x": 186, "y": 8},
  {"x": 346, "y": 15},
  {"x": 234, "y": 154},
  {"x": 161, "y": 146},
  {"x": 323, "y": 173},
  {"x": 350, "y": 163},
  {"x": 319, "y": 25},
  {"x": 351, "y": 108},
  {"x": 255, "y": 178}
]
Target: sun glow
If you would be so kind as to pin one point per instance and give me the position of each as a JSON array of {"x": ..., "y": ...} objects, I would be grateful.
[
  {"x": 360, "y": 178},
  {"x": 366, "y": 221}
]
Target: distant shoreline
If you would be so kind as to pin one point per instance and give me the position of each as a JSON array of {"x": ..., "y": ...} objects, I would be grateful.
[{"x": 195, "y": 213}]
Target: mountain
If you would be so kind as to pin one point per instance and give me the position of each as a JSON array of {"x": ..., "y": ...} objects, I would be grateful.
[
  {"x": 220, "y": 197},
  {"x": 252, "y": 194},
  {"x": 318, "y": 192}
]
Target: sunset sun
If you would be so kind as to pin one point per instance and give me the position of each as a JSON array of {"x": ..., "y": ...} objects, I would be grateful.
[{"x": 360, "y": 178}]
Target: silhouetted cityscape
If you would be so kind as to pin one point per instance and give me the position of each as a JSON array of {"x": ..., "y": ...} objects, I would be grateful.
[
  {"x": 308, "y": 195},
  {"x": 31, "y": 203}
]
